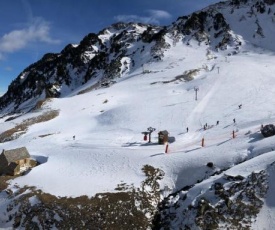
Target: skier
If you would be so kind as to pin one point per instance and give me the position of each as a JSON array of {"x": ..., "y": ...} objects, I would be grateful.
[
  {"x": 187, "y": 129},
  {"x": 234, "y": 120},
  {"x": 240, "y": 106},
  {"x": 74, "y": 137},
  {"x": 218, "y": 122}
]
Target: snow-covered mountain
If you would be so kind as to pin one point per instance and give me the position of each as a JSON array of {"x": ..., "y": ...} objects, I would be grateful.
[
  {"x": 122, "y": 48},
  {"x": 81, "y": 114}
]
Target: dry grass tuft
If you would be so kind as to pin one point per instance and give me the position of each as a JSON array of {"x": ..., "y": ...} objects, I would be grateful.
[
  {"x": 188, "y": 75},
  {"x": 41, "y": 103},
  {"x": 22, "y": 128},
  {"x": 127, "y": 209}
]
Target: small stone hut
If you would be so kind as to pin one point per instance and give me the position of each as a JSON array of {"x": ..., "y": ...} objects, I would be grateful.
[
  {"x": 15, "y": 161},
  {"x": 163, "y": 137}
]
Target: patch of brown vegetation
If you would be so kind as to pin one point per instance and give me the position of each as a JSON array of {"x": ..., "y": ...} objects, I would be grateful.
[
  {"x": 127, "y": 209},
  {"x": 3, "y": 182},
  {"x": 41, "y": 103},
  {"x": 22, "y": 128},
  {"x": 235, "y": 202},
  {"x": 188, "y": 75}
]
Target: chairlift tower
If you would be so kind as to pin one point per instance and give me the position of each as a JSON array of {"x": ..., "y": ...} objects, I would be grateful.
[
  {"x": 150, "y": 130},
  {"x": 196, "y": 92}
]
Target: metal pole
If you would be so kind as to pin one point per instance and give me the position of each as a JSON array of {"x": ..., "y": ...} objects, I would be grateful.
[
  {"x": 150, "y": 129},
  {"x": 166, "y": 148},
  {"x": 196, "y": 92}
]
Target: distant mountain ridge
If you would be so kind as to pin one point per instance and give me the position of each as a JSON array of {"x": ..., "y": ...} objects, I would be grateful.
[{"x": 99, "y": 59}]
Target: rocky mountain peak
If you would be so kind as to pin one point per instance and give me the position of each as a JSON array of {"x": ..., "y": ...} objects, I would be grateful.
[{"x": 114, "y": 51}]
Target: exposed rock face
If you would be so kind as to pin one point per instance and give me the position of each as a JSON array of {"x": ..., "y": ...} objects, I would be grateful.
[
  {"x": 128, "y": 208},
  {"x": 98, "y": 56},
  {"x": 230, "y": 203}
]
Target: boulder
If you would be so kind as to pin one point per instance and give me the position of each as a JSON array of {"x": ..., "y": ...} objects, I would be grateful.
[{"x": 268, "y": 130}]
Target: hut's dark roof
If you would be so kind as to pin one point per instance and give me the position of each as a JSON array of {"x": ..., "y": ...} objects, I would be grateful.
[
  {"x": 16, "y": 154},
  {"x": 164, "y": 132}
]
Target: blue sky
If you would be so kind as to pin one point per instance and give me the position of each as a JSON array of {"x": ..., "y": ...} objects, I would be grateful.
[{"x": 31, "y": 28}]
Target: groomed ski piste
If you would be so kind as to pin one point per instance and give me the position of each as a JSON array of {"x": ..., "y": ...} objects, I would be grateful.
[{"x": 108, "y": 148}]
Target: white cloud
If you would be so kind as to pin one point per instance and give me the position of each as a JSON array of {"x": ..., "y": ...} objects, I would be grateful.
[
  {"x": 159, "y": 14},
  {"x": 154, "y": 17},
  {"x": 37, "y": 31}
]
